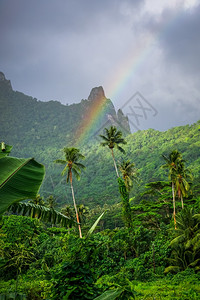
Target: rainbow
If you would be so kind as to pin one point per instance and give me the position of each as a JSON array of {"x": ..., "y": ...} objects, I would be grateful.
[
  {"x": 91, "y": 120},
  {"x": 128, "y": 68},
  {"x": 96, "y": 111}
]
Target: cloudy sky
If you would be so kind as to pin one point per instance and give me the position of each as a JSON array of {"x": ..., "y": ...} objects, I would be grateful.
[{"x": 61, "y": 49}]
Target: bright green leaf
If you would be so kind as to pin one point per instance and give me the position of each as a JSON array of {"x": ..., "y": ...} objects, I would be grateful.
[{"x": 19, "y": 179}]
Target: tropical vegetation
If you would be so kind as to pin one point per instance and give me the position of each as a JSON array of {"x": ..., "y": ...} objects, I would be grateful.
[
  {"x": 127, "y": 250},
  {"x": 139, "y": 232}
]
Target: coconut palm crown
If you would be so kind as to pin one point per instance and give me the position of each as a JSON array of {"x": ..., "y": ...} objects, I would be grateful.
[
  {"x": 183, "y": 177},
  {"x": 129, "y": 173},
  {"x": 73, "y": 166},
  {"x": 113, "y": 138}
]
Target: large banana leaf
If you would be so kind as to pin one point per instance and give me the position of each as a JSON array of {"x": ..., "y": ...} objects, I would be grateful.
[{"x": 19, "y": 179}]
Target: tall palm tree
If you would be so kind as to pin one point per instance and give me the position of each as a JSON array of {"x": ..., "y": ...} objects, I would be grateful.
[
  {"x": 112, "y": 139},
  {"x": 182, "y": 185},
  {"x": 172, "y": 162},
  {"x": 129, "y": 173},
  {"x": 72, "y": 166}
]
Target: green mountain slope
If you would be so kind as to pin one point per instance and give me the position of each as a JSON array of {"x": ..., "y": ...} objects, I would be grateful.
[
  {"x": 29, "y": 123},
  {"x": 98, "y": 184},
  {"x": 41, "y": 129}
]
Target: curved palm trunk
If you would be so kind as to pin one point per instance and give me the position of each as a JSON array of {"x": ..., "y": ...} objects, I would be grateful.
[
  {"x": 174, "y": 204},
  {"x": 114, "y": 162},
  {"x": 77, "y": 217},
  {"x": 182, "y": 200}
]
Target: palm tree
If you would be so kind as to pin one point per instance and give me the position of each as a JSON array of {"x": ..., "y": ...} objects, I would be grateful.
[
  {"x": 185, "y": 244},
  {"x": 72, "y": 166},
  {"x": 172, "y": 162},
  {"x": 83, "y": 211},
  {"x": 182, "y": 186},
  {"x": 51, "y": 202},
  {"x": 112, "y": 139},
  {"x": 67, "y": 211},
  {"x": 129, "y": 173}
]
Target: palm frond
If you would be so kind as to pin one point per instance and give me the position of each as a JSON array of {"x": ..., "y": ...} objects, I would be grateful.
[
  {"x": 60, "y": 161},
  {"x": 64, "y": 170},
  {"x": 81, "y": 166},
  {"x": 104, "y": 144},
  {"x": 177, "y": 240},
  {"x": 121, "y": 149},
  {"x": 104, "y": 137},
  {"x": 194, "y": 263},
  {"x": 76, "y": 173},
  {"x": 171, "y": 269},
  {"x": 68, "y": 175},
  {"x": 95, "y": 224}
]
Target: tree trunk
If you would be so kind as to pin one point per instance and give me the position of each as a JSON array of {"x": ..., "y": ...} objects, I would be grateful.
[
  {"x": 114, "y": 162},
  {"x": 182, "y": 200},
  {"x": 77, "y": 217},
  {"x": 174, "y": 204}
]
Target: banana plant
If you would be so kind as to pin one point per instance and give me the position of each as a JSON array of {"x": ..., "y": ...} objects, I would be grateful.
[
  {"x": 20, "y": 178},
  {"x": 41, "y": 212}
]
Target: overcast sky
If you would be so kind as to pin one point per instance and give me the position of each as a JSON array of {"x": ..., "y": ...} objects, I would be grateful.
[{"x": 61, "y": 49}]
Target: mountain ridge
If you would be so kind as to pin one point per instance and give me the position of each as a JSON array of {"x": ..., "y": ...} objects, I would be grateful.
[
  {"x": 33, "y": 119},
  {"x": 41, "y": 130}
]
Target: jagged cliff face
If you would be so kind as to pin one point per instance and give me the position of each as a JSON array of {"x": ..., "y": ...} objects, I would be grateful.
[
  {"x": 96, "y": 94},
  {"x": 5, "y": 85},
  {"x": 123, "y": 121},
  {"x": 109, "y": 116}
]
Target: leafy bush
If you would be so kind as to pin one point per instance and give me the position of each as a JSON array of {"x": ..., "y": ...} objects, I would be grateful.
[
  {"x": 74, "y": 280},
  {"x": 116, "y": 287}
]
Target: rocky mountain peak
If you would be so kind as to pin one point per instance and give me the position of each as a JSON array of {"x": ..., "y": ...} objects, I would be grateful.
[
  {"x": 4, "y": 81},
  {"x": 2, "y": 76},
  {"x": 97, "y": 93}
]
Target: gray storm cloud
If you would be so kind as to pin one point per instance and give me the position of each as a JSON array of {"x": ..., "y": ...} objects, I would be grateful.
[{"x": 61, "y": 49}]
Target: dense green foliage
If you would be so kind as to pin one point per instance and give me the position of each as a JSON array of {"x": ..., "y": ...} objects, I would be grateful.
[
  {"x": 38, "y": 261},
  {"x": 144, "y": 148},
  {"x": 130, "y": 248},
  {"x": 41, "y": 130},
  {"x": 51, "y": 263}
]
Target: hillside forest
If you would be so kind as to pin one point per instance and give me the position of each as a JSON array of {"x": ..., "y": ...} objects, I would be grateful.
[{"x": 116, "y": 218}]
